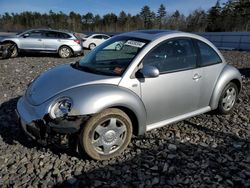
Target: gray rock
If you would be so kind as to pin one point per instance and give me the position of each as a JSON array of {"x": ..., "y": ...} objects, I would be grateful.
[
  {"x": 97, "y": 183},
  {"x": 72, "y": 180},
  {"x": 155, "y": 180},
  {"x": 172, "y": 147},
  {"x": 21, "y": 170},
  {"x": 165, "y": 167},
  {"x": 154, "y": 168}
]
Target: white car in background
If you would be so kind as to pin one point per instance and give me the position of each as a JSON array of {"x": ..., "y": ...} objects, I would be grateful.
[{"x": 94, "y": 40}]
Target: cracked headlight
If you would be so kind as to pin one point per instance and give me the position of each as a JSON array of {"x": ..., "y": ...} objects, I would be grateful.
[{"x": 61, "y": 108}]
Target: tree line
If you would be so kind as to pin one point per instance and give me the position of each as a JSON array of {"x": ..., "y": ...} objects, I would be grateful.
[{"x": 234, "y": 15}]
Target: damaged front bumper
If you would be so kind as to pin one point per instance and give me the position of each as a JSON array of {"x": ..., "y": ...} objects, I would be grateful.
[{"x": 37, "y": 124}]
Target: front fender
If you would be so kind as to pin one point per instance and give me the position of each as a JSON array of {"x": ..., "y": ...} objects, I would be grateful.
[
  {"x": 6, "y": 40},
  {"x": 228, "y": 74},
  {"x": 92, "y": 99}
]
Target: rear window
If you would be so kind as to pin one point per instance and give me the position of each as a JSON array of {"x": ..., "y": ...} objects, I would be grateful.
[
  {"x": 64, "y": 36},
  {"x": 105, "y": 37},
  {"x": 79, "y": 35},
  {"x": 50, "y": 34},
  {"x": 208, "y": 55}
]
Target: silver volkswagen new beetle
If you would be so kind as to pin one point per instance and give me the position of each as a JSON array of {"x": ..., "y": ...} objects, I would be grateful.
[{"x": 157, "y": 77}]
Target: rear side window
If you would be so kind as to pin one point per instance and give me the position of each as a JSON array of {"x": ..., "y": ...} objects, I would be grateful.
[
  {"x": 97, "y": 37},
  {"x": 51, "y": 34},
  {"x": 172, "y": 55},
  {"x": 208, "y": 55},
  {"x": 64, "y": 36},
  {"x": 105, "y": 37}
]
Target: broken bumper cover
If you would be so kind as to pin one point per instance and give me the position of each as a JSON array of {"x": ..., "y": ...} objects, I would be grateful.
[{"x": 37, "y": 124}]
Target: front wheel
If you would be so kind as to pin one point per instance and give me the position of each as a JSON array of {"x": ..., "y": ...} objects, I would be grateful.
[
  {"x": 106, "y": 134},
  {"x": 228, "y": 98},
  {"x": 65, "y": 52},
  {"x": 14, "y": 51}
]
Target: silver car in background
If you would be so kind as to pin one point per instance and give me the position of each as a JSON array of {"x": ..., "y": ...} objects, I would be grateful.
[
  {"x": 156, "y": 78},
  {"x": 65, "y": 44}
]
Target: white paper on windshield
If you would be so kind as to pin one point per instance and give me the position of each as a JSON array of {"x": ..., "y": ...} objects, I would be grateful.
[{"x": 135, "y": 43}]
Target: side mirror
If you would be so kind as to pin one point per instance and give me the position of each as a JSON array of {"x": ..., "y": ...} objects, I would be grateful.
[
  {"x": 26, "y": 35},
  {"x": 148, "y": 72}
]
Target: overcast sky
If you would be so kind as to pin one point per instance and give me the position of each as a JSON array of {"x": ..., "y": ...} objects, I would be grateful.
[{"x": 103, "y": 6}]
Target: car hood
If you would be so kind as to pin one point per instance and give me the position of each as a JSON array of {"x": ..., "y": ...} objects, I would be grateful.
[{"x": 60, "y": 79}]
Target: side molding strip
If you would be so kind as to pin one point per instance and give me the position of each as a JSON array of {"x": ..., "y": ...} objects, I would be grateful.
[{"x": 178, "y": 118}]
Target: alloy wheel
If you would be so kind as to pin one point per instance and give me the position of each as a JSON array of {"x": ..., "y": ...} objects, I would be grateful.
[
  {"x": 108, "y": 136},
  {"x": 229, "y": 98}
]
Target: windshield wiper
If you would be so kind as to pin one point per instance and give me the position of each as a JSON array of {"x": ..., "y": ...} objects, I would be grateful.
[{"x": 87, "y": 69}]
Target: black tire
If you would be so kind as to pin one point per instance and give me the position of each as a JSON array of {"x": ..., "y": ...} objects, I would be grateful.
[
  {"x": 14, "y": 51},
  {"x": 226, "y": 102},
  {"x": 65, "y": 52},
  {"x": 92, "y": 46},
  {"x": 109, "y": 134}
]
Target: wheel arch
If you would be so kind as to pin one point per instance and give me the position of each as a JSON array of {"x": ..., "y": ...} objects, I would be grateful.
[
  {"x": 91, "y": 43},
  {"x": 65, "y": 46},
  {"x": 228, "y": 74},
  {"x": 10, "y": 41},
  {"x": 237, "y": 83},
  {"x": 133, "y": 118},
  {"x": 93, "y": 99}
]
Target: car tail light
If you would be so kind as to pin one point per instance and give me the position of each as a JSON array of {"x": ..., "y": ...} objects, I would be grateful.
[{"x": 78, "y": 41}]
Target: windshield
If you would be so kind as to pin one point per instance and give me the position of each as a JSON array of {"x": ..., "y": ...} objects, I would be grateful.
[
  {"x": 113, "y": 56},
  {"x": 20, "y": 32}
]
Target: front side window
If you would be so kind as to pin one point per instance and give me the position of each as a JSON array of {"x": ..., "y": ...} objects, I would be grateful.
[
  {"x": 35, "y": 34},
  {"x": 108, "y": 59},
  {"x": 172, "y": 55},
  {"x": 208, "y": 55}
]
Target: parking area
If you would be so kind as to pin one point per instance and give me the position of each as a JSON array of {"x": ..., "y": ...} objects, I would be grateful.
[{"x": 205, "y": 151}]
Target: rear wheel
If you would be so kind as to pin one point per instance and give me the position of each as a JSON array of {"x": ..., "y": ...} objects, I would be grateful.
[
  {"x": 65, "y": 52},
  {"x": 228, "y": 98},
  {"x": 92, "y": 46},
  {"x": 106, "y": 134}
]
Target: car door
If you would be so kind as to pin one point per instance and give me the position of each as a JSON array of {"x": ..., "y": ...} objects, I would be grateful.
[
  {"x": 177, "y": 89},
  {"x": 211, "y": 65},
  {"x": 97, "y": 39},
  {"x": 32, "y": 40},
  {"x": 51, "y": 41}
]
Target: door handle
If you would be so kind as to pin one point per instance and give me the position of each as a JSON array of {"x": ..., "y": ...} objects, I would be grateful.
[
  {"x": 39, "y": 39},
  {"x": 196, "y": 77}
]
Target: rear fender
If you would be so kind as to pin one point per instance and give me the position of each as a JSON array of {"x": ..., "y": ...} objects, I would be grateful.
[{"x": 228, "y": 74}]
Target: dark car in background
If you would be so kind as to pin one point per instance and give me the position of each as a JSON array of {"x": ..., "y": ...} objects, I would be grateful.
[{"x": 65, "y": 44}]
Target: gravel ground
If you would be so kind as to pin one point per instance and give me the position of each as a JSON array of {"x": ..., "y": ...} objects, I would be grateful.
[{"x": 205, "y": 151}]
